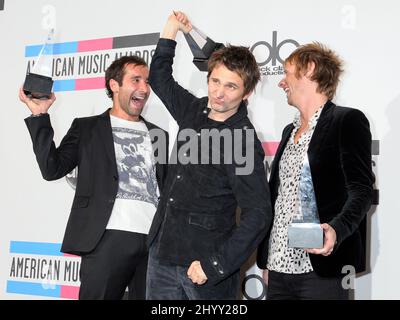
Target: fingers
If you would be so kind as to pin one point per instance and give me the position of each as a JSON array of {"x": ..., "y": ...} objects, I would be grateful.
[
  {"x": 22, "y": 95},
  {"x": 325, "y": 226},
  {"x": 329, "y": 241},
  {"x": 36, "y": 105},
  {"x": 52, "y": 98},
  {"x": 181, "y": 17},
  {"x": 326, "y": 251},
  {"x": 184, "y": 21},
  {"x": 195, "y": 273},
  {"x": 190, "y": 270}
]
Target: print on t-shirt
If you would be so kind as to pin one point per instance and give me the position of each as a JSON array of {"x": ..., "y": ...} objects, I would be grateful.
[{"x": 135, "y": 168}]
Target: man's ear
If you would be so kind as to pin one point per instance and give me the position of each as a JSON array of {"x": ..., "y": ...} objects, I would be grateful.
[
  {"x": 246, "y": 96},
  {"x": 114, "y": 86},
  {"x": 310, "y": 70}
]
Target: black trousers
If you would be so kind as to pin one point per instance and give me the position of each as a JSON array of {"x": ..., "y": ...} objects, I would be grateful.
[
  {"x": 118, "y": 261},
  {"x": 306, "y": 286}
]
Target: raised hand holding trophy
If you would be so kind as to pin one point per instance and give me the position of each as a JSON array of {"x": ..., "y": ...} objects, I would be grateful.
[
  {"x": 202, "y": 47},
  {"x": 38, "y": 83},
  {"x": 305, "y": 230}
]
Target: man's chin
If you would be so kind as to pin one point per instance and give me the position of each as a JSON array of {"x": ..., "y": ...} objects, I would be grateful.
[
  {"x": 135, "y": 110},
  {"x": 218, "y": 108},
  {"x": 289, "y": 102},
  {"x": 135, "y": 114}
]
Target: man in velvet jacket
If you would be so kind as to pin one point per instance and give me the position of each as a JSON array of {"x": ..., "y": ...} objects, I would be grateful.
[
  {"x": 337, "y": 141},
  {"x": 118, "y": 182}
]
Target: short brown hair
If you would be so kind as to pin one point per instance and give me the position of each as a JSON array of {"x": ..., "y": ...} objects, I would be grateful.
[
  {"x": 116, "y": 70},
  {"x": 328, "y": 66},
  {"x": 237, "y": 59}
]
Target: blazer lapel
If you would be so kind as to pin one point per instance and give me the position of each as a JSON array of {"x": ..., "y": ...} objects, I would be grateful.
[
  {"x": 105, "y": 131},
  {"x": 159, "y": 166},
  {"x": 320, "y": 132}
]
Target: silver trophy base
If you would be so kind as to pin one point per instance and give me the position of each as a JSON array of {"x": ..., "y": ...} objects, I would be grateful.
[{"x": 305, "y": 235}]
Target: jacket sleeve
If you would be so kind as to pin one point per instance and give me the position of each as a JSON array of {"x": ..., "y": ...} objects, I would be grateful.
[
  {"x": 355, "y": 157},
  {"x": 251, "y": 191},
  {"x": 54, "y": 163},
  {"x": 176, "y": 99}
]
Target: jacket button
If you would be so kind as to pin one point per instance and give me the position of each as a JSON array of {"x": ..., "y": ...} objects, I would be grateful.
[
  {"x": 171, "y": 199},
  {"x": 215, "y": 263},
  {"x": 178, "y": 177},
  {"x": 221, "y": 272},
  {"x": 205, "y": 111}
]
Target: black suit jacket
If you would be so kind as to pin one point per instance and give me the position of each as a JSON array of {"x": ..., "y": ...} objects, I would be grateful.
[
  {"x": 89, "y": 146},
  {"x": 340, "y": 161}
]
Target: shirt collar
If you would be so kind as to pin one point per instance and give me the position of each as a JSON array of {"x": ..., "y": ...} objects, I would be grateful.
[{"x": 311, "y": 123}]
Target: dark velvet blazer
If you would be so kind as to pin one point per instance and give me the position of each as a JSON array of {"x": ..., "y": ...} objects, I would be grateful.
[{"x": 340, "y": 160}]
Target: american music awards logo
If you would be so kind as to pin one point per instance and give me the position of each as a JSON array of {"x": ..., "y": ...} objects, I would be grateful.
[
  {"x": 80, "y": 65},
  {"x": 40, "y": 269}
]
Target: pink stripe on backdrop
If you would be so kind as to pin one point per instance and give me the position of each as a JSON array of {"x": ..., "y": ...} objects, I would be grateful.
[
  {"x": 90, "y": 83},
  {"x": 270, "y": 147},
  {"x": 69, "y": 292},
  {"x": 95, "y": 44},
  {"x": 70, "y": 255}
]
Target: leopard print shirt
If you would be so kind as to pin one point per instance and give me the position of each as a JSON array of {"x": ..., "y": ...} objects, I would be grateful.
[{"x": 280, "y": 257}]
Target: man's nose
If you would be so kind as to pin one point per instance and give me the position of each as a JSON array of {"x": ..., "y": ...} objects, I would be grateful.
[
  {"x": 144, "y": 86},
  {"x": 220, "y": 92}
]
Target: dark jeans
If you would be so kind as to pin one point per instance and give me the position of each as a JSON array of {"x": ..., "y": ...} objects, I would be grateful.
[
  {"x": 117, "y": 262},
  {"x": 167, "y": 281},
  {"x": 306, "y": 286}
]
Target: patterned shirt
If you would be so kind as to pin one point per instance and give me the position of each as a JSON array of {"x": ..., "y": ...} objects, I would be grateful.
[{"x": 281, "y": 258}]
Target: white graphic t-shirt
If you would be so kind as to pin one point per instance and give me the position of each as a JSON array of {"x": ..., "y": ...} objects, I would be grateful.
[{"x": 137, "y": 197}]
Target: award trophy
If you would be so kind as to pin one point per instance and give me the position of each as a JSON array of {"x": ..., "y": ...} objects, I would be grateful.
[
  {"x": 202, "y": 47},
  {"x": 38, "y": 83},
  {"x": 305, "y": 230}
]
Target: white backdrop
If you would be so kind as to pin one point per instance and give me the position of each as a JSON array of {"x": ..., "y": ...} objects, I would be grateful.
[{"x": 34, "y": 212}]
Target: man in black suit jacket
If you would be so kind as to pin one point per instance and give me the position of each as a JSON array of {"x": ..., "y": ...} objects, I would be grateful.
[
  {"x": 118, "y": 182},
  {"x": 337, "y": 143}
]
